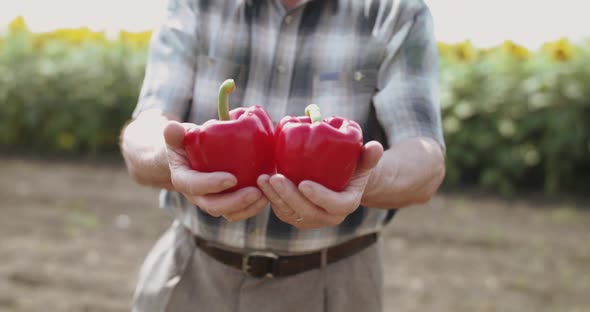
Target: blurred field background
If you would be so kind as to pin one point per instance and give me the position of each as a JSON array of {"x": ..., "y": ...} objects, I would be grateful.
[{"x": 509, "y": 231}]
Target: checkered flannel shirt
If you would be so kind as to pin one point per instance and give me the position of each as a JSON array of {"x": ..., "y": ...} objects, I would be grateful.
[{"x": 371, "y": 61}]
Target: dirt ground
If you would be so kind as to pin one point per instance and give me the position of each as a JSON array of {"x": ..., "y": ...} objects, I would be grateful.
[{"x": 73, "y": 235}]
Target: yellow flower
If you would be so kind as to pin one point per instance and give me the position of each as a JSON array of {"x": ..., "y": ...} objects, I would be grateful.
[
  {"x": 487, "y": 51},
  {"x": 76, "y": 36},
  {"x": 18, "y": 24},
  {"x": 515, "y": 50},
  {"x": 135, "y": 39},
  {"x": 443, "y": 49},
  {"x": 39, "y": 40},
  {"x": 465, "y": 52},
  {"x": 561, "y": 50}
]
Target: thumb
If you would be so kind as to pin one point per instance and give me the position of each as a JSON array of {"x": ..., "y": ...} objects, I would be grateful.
[
  {"x": 174, "y": 134},
  {"x": 370, "y": 156}
]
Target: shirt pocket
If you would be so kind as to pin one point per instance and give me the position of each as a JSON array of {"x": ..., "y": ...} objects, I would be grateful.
[
  {"x": 347, "y": 93},
  {"x": 210, "y": 73}
]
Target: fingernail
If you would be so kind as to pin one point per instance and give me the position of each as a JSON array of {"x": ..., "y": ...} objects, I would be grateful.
[
  {"x": 262, "y": 179},
  {"x": 280, "y": 185},
  {"x": 306, "y": 189},
  {"x": 228, "y": 183}
]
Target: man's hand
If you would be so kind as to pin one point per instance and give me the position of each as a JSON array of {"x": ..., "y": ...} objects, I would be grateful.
[
  {"x": 311, "y": 205},
  {"x": 200, "y": 188}
]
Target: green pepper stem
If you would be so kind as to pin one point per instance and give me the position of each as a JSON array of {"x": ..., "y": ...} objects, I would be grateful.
[
  {"x": 313, "y": 112},
  {"x": 226, "y": 88}
]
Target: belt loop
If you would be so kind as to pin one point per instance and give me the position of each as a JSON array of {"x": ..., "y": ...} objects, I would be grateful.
[{"x": 323, "y": 257}]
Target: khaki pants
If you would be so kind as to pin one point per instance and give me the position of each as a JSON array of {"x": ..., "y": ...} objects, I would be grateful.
[{"x": 178, "y": 277}]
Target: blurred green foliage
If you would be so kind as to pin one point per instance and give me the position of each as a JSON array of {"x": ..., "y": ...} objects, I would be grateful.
[
  {"x": 513, "y": 118},
  {"x": 66, "y": 91},
  {"x": 517, "y": 119}
]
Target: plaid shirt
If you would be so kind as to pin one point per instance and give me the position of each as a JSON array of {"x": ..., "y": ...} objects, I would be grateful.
[{"x": 371, "y": 61}]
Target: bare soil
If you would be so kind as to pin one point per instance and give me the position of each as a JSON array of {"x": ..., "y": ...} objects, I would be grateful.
[{"x": 73, "y": 235}]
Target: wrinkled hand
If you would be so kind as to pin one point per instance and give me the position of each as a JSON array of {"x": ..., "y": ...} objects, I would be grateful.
[
  {"x": 311, "y": 205},
  {"x": 200, "y": 188}
]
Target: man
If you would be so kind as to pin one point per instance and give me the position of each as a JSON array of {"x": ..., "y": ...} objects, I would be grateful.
[{"x": 284, "y": 247}]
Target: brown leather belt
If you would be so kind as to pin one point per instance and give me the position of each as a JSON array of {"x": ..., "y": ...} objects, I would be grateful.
[{"x": 268, "y": 264}]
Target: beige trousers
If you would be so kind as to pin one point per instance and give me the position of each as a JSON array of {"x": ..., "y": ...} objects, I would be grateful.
[{"x": 178, "y": 277}]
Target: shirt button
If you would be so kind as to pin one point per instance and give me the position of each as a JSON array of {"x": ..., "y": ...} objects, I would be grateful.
[
  {"x": 288, "y": 19},
  {"x": 358, "y": 76},
  {"x": 281, "y": 69}
]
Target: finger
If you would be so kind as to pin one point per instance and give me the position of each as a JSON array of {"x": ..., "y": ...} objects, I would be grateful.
[
  {"x": 336, "y": 203},
  {"x": 221, "y": 204},
  {"x": 174, "y": 134},
  {"x": 248, "y": 212},
  {"x": 303, "y": 223},
  {"x": 294, "y": 219},
  {"x": 277, "y": 203},
  {"x": 196, "y": 183},
  {"x": 297, "y": 202},
  {"x": 370, "y": 156},
  {"x": 287, "y": 217}
]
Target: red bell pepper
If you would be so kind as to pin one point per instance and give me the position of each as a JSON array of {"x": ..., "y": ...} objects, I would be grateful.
[
  {"x": 324, "y": 151},
  {"x": 241, "y": 142}
]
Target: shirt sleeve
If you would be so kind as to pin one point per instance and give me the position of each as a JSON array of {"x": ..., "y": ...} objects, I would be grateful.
[
  {"x": 170, "y": 69},
  {"x": 407, "y": 101}
]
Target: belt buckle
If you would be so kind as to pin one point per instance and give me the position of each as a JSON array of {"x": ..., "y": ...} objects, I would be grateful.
[{"x": 270, "y": 256}]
